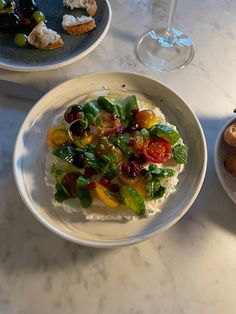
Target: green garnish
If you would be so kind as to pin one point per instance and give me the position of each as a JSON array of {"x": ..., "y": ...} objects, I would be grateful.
[
  {"x": 61, "y": 193},
  {"x": 83, "y": 194},
  {"x": 180, "y": 154},
  {"x": 92, "y": 108},
  {"x": 122, "y": 141},
  {"x": 165, "y": 132},
  {"x": 132, "y": 199}
]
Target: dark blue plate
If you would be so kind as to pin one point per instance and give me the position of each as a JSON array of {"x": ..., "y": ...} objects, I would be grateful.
[{"x": 75, "y": 47}]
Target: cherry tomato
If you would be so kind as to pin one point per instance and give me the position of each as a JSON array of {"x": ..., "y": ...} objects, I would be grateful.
[
  {"x": 104, "y": 147},
  {"x": 58, "y": 135},
  {"x": 157, "y": 151},
  {"x": 69, "y": 182},
  {"x": 104, "y": 195},
  {"x": 110, "y": 125},
  {"x": 125, "y": 179},
  {"x": 146, "y": 118},
  {"x": 139, "y": 182}
]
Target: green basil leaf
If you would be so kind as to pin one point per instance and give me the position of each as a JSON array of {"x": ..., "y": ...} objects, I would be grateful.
[
  {"x": 91, "y": 160},
  {"x": 83, "y": 194},
  {"x": 65, "y": 152},
  {"x": 180, "y": 154},
  {"x": 91, "y": 107},
  {"x": 122, "y": 142},
  {"x": 61, "y": 193},
  {"x": 154, "y": 171},
  {"x": 154, "y": 189}
]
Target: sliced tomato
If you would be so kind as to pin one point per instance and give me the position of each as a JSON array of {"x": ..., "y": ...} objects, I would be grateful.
[
  {"x": 146, "y": 118},
  {"x": 125, "y": 179},
  {"x": 157, "y": 151},
  {"x": 110, "y": 125},
  {"x": 106, "y": 197},
  {"x": 58, "y": 135}
]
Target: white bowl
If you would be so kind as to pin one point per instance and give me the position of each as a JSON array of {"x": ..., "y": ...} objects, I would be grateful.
[
  {"x": 222, "y": 149},
  {"x": 30, "y": 152}
]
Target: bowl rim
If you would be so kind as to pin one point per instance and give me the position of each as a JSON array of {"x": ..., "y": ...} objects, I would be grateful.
[{"x": 114, "y": 243}]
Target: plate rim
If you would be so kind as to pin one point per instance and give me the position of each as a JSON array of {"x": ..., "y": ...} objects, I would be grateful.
[
  {"x": 127, "y": 241},
  {"x": 67, "y": 61},
  {"x": 217, "y": 161}
]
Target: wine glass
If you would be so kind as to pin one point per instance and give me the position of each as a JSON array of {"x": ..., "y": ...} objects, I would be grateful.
[{"x": 166, "y": 49}]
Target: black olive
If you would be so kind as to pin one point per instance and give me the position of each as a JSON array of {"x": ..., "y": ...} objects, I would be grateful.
[
  {"x": 70, "y": 113},
  {"x": 28, "y": 7},
  {"x": 78, "y": 160},
  {"x": 9, "y": 22}
]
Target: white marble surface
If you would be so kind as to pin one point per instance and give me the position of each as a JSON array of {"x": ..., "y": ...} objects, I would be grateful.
[{"x": 189, "y": 269}]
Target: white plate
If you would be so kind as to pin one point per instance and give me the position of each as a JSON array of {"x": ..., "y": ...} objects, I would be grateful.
[
  {"x": 30, "y": 152},
  {"x": 30, "y": 59},
  {"x": 222, "y": 149}
]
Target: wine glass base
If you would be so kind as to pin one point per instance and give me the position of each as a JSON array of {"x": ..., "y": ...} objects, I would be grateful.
[{"x": 164, "y": 51}]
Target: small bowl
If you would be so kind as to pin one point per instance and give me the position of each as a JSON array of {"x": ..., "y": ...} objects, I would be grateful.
[
  {"x": 222, "y": 150},
  {"x": 31, "y": 149}
]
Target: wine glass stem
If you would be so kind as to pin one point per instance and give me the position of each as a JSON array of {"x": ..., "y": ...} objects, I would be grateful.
[{"x": 172, "y": 15}]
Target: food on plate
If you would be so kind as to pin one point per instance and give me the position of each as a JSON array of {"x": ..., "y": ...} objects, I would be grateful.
[
  {"x": 7, "y": 7},
  {"x": 230, "y": 135},
  {"x": 89, "y": 5},
  {"x": 9, "y": 22},
  {"x": 19, "y": 19},
  {"x": 28, "y": 23},
  {"x": 45, "y": 38},
  {"x": 78, "y": 25},
  {"x": 113, "y": 158},
  {"x": 21, "y": 40},
  {"x": 230, "y": 163},
  {"x": 22, "y": 20}
]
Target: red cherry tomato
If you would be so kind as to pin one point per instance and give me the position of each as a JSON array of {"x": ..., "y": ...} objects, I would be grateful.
[
  {"x": 111, "y": 124},
  {"x": 157, "y": 151}
]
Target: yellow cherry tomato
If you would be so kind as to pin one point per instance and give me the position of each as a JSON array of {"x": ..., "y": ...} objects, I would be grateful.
[
  {"x": 104, "y": 195},
  {"x": 139, "y": 183},
  {"x": 141, "y": 187},
  {"x": 106, "y": 148},
  {"x": 146, "y": 118},
  {"x": 124, "y": 179},
  {"x": 58, "y": 135},
  {"x": 87, "y": 139}
]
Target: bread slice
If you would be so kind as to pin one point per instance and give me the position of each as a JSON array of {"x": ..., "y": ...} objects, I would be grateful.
[
  {"x": 78, "y": 25},
  {"x": 42, "y": 37},
  {"x": 89, "y": 5}
]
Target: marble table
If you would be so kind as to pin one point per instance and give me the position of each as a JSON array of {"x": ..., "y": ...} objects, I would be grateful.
[{"x": 191, "y": 268}]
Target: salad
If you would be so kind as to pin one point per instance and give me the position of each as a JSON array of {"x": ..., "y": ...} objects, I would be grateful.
[{"x": 113, "y": 158}]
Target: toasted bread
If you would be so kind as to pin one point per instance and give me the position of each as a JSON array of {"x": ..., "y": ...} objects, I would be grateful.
[
  {"x": 78, "y": 25},
  {"x": 42, "y": 37},
  {"x": 230, "y": 134},
  {"x": 89, "y": 5}
]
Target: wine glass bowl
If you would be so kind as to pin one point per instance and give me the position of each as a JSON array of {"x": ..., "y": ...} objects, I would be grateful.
[{"x": 165, "y": 49}]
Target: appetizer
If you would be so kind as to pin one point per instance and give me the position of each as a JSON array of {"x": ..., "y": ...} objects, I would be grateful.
[
  {"x": 114, "y": 157},
  {"x": 78, "y": 25},
  {"x": 230, "y": 139}
]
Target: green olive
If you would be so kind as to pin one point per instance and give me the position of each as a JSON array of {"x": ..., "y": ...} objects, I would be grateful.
[
  {"x": 38, "y": 16},
  {"x": 21, "y": 40},
  {"x": 2, "y": 4}
]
